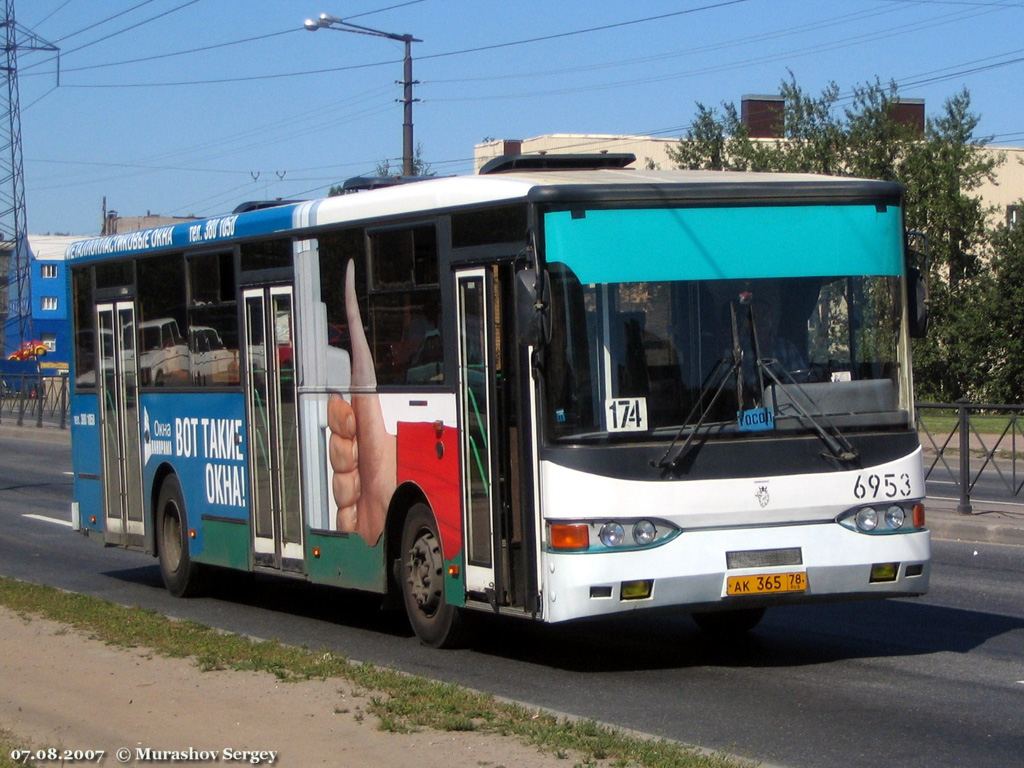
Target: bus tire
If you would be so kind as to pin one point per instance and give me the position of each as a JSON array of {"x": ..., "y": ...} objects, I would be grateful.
[
  {"x": 729, "y": 623},
  {"x": 435, "y": 622},
  {"x": 181, "y": 576}
]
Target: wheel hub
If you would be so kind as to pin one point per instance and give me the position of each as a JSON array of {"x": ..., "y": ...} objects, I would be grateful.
[{"x": 425, "y": 565}]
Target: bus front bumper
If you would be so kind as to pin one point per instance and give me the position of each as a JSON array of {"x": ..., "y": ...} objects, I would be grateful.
[{"x": 691, "y": 571}]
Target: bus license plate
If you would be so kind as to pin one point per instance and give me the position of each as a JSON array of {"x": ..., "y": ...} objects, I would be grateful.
[{"x": 767, "y": 583}]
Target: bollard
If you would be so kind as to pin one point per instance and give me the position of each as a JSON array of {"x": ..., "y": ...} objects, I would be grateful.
[
  {"x": 40, "y": 396},
  {"x": 964, "y": 505},
  {"x": 63, "y": 402},
  {"x": 21, "y": 405}
]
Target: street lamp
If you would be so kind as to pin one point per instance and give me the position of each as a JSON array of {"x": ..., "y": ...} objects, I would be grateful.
[{"x": 327, "y": 21}]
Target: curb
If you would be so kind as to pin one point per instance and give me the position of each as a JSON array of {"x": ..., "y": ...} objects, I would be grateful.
[{"x": 985, "y": 525}]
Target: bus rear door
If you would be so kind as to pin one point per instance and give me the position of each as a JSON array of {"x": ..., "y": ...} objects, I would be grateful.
[
  {"x": 119, "y": 423},
  {"x": 273, "y": 427}
]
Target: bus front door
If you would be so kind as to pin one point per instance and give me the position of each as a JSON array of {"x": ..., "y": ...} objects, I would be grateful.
[
  {"x": 119, "y": 424},
  {"x": 273, "y": 428},
  {"x": 482, "y": 489}
]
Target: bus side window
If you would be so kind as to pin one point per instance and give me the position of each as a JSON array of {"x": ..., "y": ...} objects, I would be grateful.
[
  {"x": 404, "y": 300},
  {"x": 213, "y": 320},
  {"x": 336, "y": 249},
  {"x": 85, "y": 337},
  {"x": 163, "y": 358},
  {"x": 399, "y": 297}
]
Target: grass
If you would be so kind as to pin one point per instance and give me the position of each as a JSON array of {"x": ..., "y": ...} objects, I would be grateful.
[
  {"x": 941, "y": 423},
  {"x": 401, "y": 702},
  {"x": 9, "y": 742}
]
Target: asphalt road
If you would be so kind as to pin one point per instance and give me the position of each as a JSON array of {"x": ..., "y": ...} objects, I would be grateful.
[{"x": 934, "y": 681}]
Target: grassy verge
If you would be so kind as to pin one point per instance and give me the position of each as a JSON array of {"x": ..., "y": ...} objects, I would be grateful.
[
  {"x": 941, "y": 423},
  {"x": 8, "y": 743},
  {"x": 402, "y": 702}
]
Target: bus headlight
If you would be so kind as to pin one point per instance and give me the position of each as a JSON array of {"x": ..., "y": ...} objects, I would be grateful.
[
  {"x": 612, "y": 534},
  {"x": 622, "y": 535},
  {"x": 867, "y": 519},
  {"x": 644, "y": 532},
  {"x": 895, "y": 518}
]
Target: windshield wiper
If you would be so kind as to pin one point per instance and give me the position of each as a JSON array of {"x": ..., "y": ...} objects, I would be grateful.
[
  {"x": 724, "y": 370},
  {"x": 837, "y": 444}
]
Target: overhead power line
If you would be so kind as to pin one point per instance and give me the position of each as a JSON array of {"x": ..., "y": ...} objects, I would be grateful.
[
  {"x": 135, "y": 26},
  {"x": 200, "y": 49},
  {"x": 241, "y": 79},
  {"x": 477, "y": 49},
  {"x": 102, "y": 21},
  {"x": 185, "y": 52},
  {"x": 587, "y": 30},
  {"x": 959, "y": 73},
  {"x": 688, "y": 51},
  {"x": 112, "y": 34},
  {"x": 381, "y": 10},
  {"x": 51, "y": 14},
  {"x": 788, "y": 55}
]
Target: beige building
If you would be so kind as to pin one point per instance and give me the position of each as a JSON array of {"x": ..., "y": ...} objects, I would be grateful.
[
  {"x": 114, "y": 224},
  {"x": 760, "y": 113}
]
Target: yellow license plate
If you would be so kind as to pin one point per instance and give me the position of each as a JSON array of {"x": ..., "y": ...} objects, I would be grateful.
[{"x": 767, "y": 583}]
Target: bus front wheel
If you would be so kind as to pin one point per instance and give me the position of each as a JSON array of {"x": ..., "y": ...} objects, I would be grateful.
[
  {"x": 181, "y": 576},
  {"x": 435, "y": 622}
]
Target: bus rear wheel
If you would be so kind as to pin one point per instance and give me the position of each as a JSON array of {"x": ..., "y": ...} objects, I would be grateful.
[
  {"x": 729, "y": 623},
  {"x": 181, "y": 576},
  {"x": 435, "y": 622}
]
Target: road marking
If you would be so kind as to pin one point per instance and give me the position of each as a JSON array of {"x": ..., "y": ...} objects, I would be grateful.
[{"x": 46, "y": 519}]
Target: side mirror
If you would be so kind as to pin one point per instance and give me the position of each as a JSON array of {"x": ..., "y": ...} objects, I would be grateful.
[
  {"x": 531, "y": 307},
  {"x": 917, "y": 303}
]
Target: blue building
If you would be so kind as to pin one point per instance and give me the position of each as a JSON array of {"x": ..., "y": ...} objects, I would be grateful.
[{"x": 50, "y": 306}]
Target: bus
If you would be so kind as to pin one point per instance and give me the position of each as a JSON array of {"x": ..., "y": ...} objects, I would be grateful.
[{"x": 560, "y": 388}]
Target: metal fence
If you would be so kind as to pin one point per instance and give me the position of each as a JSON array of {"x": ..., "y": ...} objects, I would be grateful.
[
  {"x": 28, "y": 398},
  {"x": 972, "y": 442},
  {"x": 963, "y": 443}
]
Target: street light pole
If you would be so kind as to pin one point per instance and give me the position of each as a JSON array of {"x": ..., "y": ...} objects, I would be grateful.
[{"x": 326, "y": 21}]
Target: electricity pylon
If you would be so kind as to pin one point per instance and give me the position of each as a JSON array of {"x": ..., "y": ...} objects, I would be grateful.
[{"x": 13, "y": 230}]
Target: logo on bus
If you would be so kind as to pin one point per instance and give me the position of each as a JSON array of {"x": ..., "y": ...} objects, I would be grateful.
[{"x": 761, "y": 494}]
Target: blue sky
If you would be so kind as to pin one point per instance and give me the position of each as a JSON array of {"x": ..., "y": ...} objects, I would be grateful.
[{"x": 147, "y": 120}]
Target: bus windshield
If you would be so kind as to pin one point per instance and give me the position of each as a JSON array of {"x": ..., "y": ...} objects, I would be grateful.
[{"x": 663, "y": 318}]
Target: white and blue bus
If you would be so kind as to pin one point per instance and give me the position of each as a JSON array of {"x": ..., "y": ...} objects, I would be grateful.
[{"x": 560, "y": 388}]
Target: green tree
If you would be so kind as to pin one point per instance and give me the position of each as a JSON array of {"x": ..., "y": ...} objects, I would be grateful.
[
  {"x": 1006, "y": 318},
  {"x": 865, "y": 141},
  {"x": 954, "y": 361},
  {"x": 943, "y": 174},
  {"x": 707, "y": 140},
  {"x": 814, "y": 140},
  {"x": 876, "y": 143}
]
